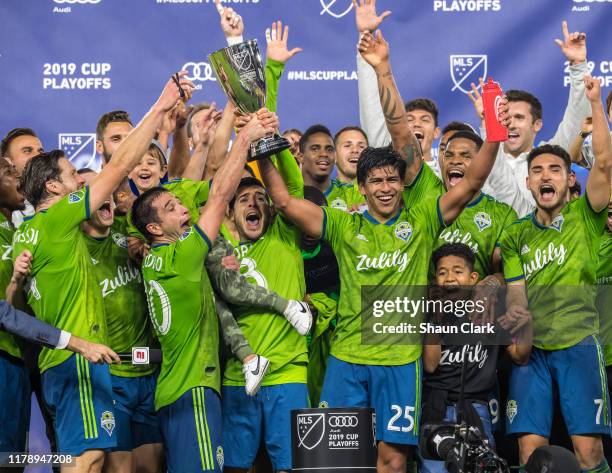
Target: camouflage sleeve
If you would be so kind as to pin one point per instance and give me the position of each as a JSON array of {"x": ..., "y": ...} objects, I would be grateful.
[
  {"x": 232, "y": 335},
  {"x": 233, "y": 287}
]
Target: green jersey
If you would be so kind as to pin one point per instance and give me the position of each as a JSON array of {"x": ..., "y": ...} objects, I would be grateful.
[
  {"x": 275, "y": 262},
  {"x": 62, "y": 289},
  {"x": 559, "y": 265},
  {"x": 479, "y": 225},
  {"x": 604, "y": 294},
  {"x": 425, "y": 185},
  {"x": 182, "y": 309},
  {"x": 192, "y": 194},
  {"x": 343, "y": 196},
  {"x": 373, "y": 254},
  {"x": 120, "y": 285},
  {"x": 7, "y": 341}
]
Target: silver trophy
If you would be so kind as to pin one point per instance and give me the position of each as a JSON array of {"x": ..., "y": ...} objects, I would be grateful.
[{"x": 241, "y": 74}]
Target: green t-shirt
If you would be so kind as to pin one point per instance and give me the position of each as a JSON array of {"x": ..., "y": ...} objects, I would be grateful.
[
  {"x": 192, "y": 194},
  {"x": 479, "y": 226},
  {"x": 182, "y": 309},
  {"x": 62, "y": 288},
  {"x": 604, "y": 294},
  {"x": 275, "y": 262},
  {"x": 425, "y": 185},
  {"x": 559, "y": 265},
  {"x": 120, "y": 284},
  {"x": 7, "y": 341},
  {"x": 372, "y": 254},
  {"x": 343, "y": 196}
]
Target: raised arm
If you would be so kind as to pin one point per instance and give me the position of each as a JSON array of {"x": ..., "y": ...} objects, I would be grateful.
[
  {"x": 573, "y": 46},
  {"x": 227, "y": 178},
  {"x": 370, "y": 111},
  {"x": 598, "y": 182},
  {"x": 207, "y": 127},
  {"x": 307, "y": 216},
  {"x": 375, "y": 51},
  {"x": 137, "y": 142},
  {"x": 277, "y": 54},
  {"x": 179, "y": 154},
  {"x": 454, "y": 201}
]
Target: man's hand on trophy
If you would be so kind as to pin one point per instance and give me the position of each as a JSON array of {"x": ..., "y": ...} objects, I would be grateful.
[
  {"x": 177, "y": 88},
  {"x": 207, "y": 126},
  {"x": 375, "y": 50},
  {"x": 268, "y": 118},
  {"x": 277, "y": 39},
  {"x": 231, "y": 22},
  {"x": 366, "y": 17},
  {"x": 255, "y": 129}
]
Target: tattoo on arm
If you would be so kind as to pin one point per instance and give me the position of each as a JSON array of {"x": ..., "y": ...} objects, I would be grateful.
[
  {"x": 392, "y": 106},
  {"x": 412, "y": 151}
]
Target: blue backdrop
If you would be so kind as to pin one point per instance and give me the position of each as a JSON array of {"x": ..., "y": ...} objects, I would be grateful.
[{"x": 65, "y": 62}]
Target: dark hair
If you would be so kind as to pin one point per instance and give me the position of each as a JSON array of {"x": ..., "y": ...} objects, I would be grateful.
[
  {"x": 550, "y": 149},
  {"x": 523, "y": 96},
  {"x": 457, "y": 126},
  {"x": 314, "y": 129},
  {"x": 609, "y": 103},
  {"x": 466, "y": 135},
  {"x": 376, "y": 158},
  {"x": 111, "y": 117},
  {"x": 85, "y": 171},
  {"x": 143, "y": 211},
  {"x": 11, "y": 135},
  {"x": 424, "y": 104},
  {"x": 576, "y": 188},
  {"x": 314, "y": 195},
  {"x": 196, "y": 108},
  {"x": 460, "y": 250},
  {"x": 245, "y": 182},
  {"x": 292, "y": 130},
  {"x": 39, "y": 170},
  {"x": 351, "y": 128}
]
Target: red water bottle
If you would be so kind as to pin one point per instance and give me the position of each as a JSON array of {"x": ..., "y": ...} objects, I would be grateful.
[{"x": 491, "y": 97}]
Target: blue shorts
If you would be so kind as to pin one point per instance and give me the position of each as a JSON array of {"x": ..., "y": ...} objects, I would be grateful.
[
  {"x": 483, "y": 411},
  {"x": 246, "y": 419},
  {"x": 135, "y": 411},
  {"x": 393, "y": 391},
  {"x": 578, "y": 372},
  {"x": 14, "y": 404},
  {"x": 79, "y": 397},
  {"x": 191, "y": 431}
]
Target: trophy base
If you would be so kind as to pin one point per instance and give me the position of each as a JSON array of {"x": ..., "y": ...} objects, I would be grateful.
[{"x": 267, "y": 146}]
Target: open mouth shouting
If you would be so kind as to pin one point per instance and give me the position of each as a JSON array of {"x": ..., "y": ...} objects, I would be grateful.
[
  {"x": 145, "y": 179},
  {"x": 454, "y": 176},
  {"x": 513, "y": 137},
  {"x": 186, "y": 223},
  {"x": 419, "y": 135},
  {"x": 323, "y": 164},
  {"x": 252, "y": 220},
  {"x": 105, "y": 212},
  {"x": 352, "y": 159},
  {"x": 547, "y": 193}
]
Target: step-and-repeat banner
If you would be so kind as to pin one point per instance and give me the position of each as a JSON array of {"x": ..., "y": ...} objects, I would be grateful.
[{"x": 63, "y": 63}]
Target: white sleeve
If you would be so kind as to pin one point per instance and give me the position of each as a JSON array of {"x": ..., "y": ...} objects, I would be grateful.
[
  {"x": 578, "y": 108},
  {"x": 63, "y": 340},
  {"x": 370, "y": 111},
  {"x": 503, "y": 184}
]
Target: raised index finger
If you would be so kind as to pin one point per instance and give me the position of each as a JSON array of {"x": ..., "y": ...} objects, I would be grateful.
[{"x": 565, "y": 30}]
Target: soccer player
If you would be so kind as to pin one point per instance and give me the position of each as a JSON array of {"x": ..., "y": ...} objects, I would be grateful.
[
  {"x": 126, "y": 315},
  {"x": 63, "y": 289},
  {"x": 182, "y": 309},
  {"x": 443, "y": 357},
  {"x": 386, "y": 245},
  {"x": 604, "y": 302},
  {"x": 265, "y": 239},
  {"x": 550, "y": 260},
  {"x": 318, "y": 159},
  {"x": 111, "y": 130},
  {"x": 20, "y": 145},
  {"x": 449, "y": 130}
]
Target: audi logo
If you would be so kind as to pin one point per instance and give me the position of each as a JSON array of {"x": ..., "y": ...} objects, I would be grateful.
[
  {"x": 198, "y": 71},
  {"x": 343, "y": 421}
]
